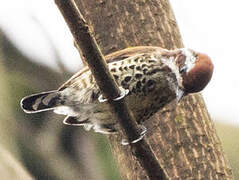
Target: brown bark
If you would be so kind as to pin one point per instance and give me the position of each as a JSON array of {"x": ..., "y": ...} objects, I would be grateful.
[{"x": 183, "y": 139}]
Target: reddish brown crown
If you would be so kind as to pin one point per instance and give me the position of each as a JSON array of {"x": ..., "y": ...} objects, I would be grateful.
[{"x": 198, "y": 77}]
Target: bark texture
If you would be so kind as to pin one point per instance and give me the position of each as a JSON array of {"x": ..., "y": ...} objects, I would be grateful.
[
  {"x": 183, "y": 138},
  {"x": 93, "y": 56}
]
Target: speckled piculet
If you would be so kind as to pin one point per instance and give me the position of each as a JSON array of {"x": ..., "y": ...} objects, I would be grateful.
[{"x": 153, "y": 76}]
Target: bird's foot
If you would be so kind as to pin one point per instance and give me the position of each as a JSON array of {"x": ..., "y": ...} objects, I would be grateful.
[
  {"x": 123, "y": 93},
  {"x": 124, "y": 142}
]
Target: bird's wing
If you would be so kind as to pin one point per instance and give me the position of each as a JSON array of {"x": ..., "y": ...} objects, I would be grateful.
[
  {"x": 128, "y": 52},
  {"x": 114, "y": 57}
]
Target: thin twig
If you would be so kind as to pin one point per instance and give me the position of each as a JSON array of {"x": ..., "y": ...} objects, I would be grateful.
[{"x": 89, "y": 49}]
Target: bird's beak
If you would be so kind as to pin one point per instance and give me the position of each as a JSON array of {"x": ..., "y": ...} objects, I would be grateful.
[{"x": 180, "y": 94}]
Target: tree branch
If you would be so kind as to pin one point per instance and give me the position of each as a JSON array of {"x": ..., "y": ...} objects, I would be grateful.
[{"x": 89, "y": 49}]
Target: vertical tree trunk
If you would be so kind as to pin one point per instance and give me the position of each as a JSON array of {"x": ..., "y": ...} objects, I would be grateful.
[{"x": 183, "y": 139}]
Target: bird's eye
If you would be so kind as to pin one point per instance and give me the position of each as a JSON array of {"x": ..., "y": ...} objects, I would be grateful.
[
  {"x": 182, "y": 70},
  {"x": 195, "y": 54}
]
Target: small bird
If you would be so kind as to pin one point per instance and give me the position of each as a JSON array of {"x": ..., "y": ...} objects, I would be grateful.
[{"x": 152, "y": 76}]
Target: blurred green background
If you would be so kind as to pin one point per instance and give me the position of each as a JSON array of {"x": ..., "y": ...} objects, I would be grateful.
[{"x": 45, "y": 147}]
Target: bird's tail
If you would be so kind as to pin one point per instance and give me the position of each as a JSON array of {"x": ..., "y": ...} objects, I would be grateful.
[{"x": 41, "y": 102}]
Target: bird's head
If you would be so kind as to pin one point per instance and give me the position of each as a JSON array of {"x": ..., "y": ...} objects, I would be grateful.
[{"x": 195, "y": 70}]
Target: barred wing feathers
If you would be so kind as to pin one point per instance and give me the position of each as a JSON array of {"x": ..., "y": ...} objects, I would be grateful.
[{"x": 50, "y": 100}]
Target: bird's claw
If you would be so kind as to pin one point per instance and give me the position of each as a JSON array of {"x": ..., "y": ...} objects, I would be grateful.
[
  {"x": 124, "y": 142},
  {"x": 123, "y": 93}
]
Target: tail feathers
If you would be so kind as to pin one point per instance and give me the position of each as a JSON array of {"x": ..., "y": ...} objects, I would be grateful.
[{"x": 40, "y": 102}]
